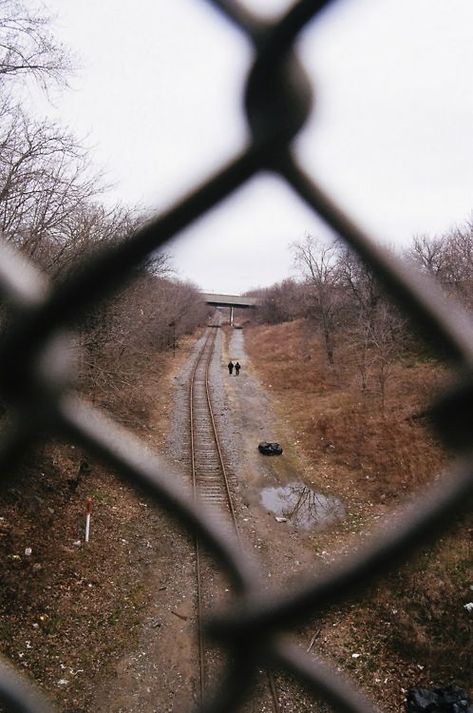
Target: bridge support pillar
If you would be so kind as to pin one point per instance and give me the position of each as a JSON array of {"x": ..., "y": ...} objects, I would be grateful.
[{"x": 231, "y": 316}]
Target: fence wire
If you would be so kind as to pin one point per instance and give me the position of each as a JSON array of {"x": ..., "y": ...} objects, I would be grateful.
[{"x": 36, "y": 379}]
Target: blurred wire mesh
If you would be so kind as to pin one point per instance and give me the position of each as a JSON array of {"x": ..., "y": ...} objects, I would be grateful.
[{"x": 36, "y": 380}]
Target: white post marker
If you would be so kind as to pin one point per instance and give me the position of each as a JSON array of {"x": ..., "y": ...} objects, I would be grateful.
[{"x": 87, "y": 518}]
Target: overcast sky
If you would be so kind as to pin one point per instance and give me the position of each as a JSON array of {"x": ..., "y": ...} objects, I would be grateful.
[{"x": 158, "y": 98}]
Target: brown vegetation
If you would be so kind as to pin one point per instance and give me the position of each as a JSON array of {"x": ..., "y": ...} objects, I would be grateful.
[
  {"x": 63, "y": 619},
  {"x": 374, "y": 452},
  {"x": 349, "y": 375},
  {"x": 69, "y": 611},
  {"x": 342, "y": 417}
]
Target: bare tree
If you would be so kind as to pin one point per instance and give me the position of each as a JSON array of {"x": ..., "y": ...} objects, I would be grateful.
[
  {"x": 27, "y": 47},
  {"x": 459, "y": 252},
  {"x": 120, "y": 340},
  {"x": 385, "y": 345},
  {"x": 318, "y": 263},
  {"x": 449, "y": 259},
  {"x": 45, "y": 185},
  {"x": 361, "y": 290},
  {"x": 362, "y": 303},
  {"x": 429, "y": 254},
  {"x": 281, "y": 302}
]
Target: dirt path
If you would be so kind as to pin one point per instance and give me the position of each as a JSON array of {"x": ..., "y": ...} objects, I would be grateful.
[
  {"x": 159, "y": 674},
  {"x": 253, "y": 417}
]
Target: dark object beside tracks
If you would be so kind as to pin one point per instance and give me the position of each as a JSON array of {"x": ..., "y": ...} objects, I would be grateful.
[
  {"x": 270, "y": 449},
  {"x": 450, "y": 699}
]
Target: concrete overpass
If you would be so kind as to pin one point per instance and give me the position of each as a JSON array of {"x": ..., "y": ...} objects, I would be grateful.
[{"x": 231, "y": 301}]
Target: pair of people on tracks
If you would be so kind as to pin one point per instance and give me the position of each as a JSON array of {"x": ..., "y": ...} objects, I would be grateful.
[{"x": 232, "y": 366}]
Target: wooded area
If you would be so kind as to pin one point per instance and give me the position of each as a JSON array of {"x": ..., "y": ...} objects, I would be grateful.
[
  {"x": 353, "y": 377},
  {"x": 347, "y": 307},
  {"x": 355, "y": 381},
  {"x": 54, "y": 208}
]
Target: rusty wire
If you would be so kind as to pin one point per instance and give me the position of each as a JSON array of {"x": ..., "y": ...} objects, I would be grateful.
[{"x": 36, "y": 379}]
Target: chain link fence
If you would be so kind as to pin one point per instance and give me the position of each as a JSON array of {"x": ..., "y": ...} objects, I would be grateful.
[{"x": 36, "y": 378}]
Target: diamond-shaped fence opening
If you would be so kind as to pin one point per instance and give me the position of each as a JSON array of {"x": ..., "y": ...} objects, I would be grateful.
[{"x": 277, "y": 102}]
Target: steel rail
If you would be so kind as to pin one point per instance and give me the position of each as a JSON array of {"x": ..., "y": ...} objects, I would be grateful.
[
  {"x": 199, "y": 606},
  {"x": 231, "y": 506},
  {"x": 205, "y": 355}
]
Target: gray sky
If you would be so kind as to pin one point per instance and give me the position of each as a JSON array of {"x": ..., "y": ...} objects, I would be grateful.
[{"x": 158, "y": 97}]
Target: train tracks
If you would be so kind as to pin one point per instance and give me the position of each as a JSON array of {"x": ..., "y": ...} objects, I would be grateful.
[{"x": 211, "y": 482}]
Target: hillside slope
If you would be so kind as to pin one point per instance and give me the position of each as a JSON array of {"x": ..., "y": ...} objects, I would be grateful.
[{"x": 368, "y": 450}]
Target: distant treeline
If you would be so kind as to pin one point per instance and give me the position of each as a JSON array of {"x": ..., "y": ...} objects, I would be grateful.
[{"x": 338, "y": 295}]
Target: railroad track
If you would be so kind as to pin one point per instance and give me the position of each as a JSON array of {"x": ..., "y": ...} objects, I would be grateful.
[{"x": 210, "y": 481}]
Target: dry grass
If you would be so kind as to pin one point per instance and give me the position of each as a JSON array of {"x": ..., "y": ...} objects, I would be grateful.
[
  {"x": 68, "y": 612},
  {"x": 335, "y": 419},
  {"x": 413, "y": 628}
]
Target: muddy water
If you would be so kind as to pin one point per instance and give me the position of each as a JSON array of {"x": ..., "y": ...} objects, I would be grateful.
[
  {"x": 301, "y": 506},
  {"x": 274, "y": 485}
]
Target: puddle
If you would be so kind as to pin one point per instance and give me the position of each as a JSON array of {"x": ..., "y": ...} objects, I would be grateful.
[{"x": 301, "y": 506}]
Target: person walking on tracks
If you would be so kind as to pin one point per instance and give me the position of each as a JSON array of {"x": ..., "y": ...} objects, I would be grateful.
[
  {"x": 237, "y": 368},
  {"x": 230, "y": 367}
]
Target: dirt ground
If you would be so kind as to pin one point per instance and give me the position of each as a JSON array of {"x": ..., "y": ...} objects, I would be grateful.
[
  {"x": 160, "y": 673},
  {"x": 111, "y": 626}
]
